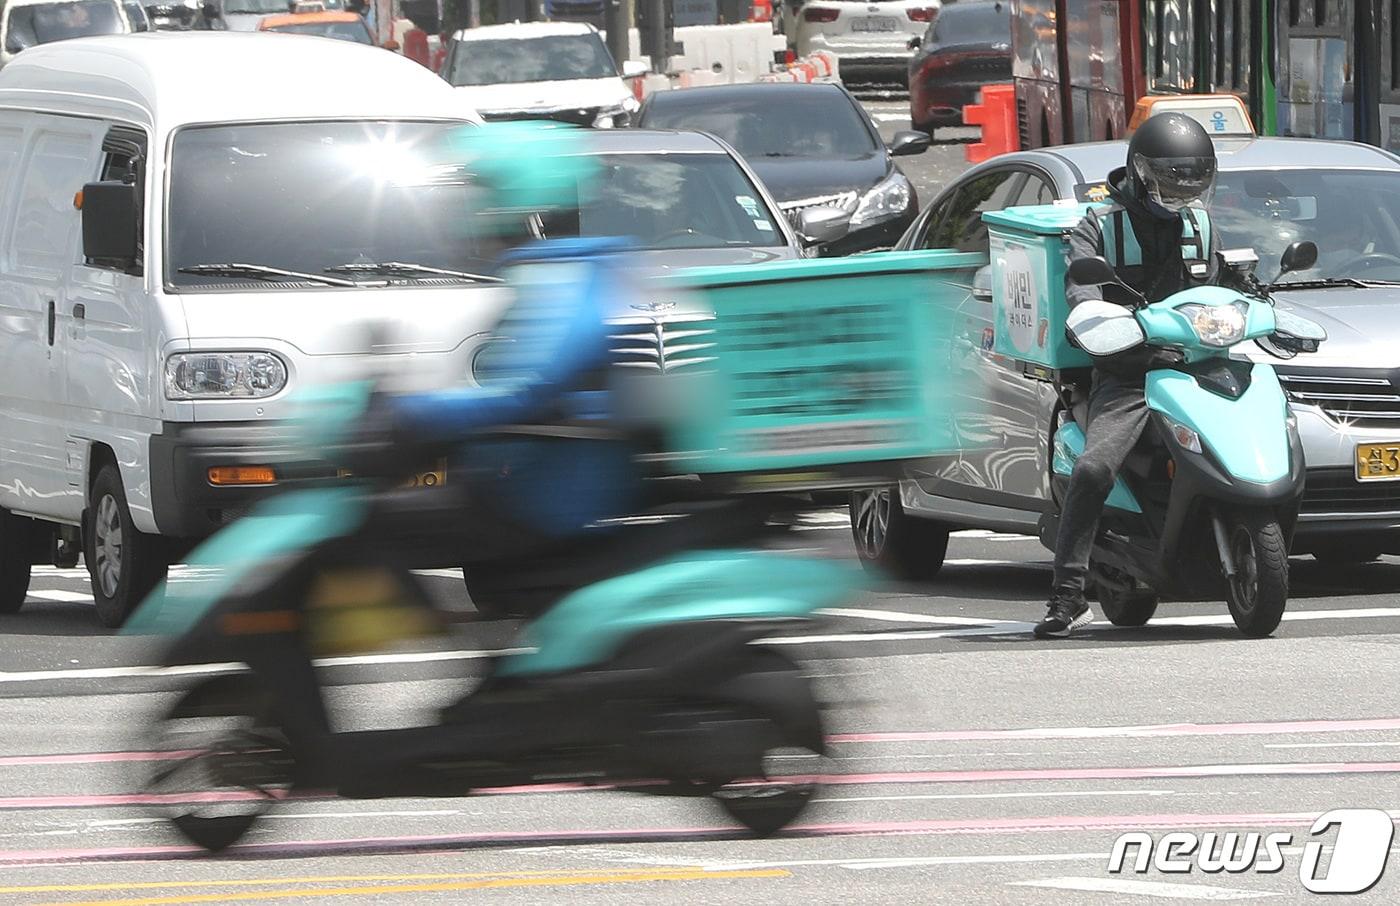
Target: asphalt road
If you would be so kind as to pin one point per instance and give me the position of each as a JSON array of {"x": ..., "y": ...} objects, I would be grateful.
[{"x": 971, "y": 763}]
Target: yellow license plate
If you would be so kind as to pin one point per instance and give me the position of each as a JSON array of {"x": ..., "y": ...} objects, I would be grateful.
[
  {"x": 435, "y": 478},
  {"x": 1378, "y": 462}
]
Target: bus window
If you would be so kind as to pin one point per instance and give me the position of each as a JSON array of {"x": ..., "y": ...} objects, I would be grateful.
[
  {"x": 1092, "y": 34},
  {"x": 1035, "y": 41},
  {"x": 1170, "y": 48}
]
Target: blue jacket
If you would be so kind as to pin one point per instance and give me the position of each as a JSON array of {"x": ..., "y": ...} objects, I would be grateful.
[{"x": 544, "y": 406}]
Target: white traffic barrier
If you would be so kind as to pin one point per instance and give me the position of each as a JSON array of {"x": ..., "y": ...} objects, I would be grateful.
[{"x": 819, "y": 67}]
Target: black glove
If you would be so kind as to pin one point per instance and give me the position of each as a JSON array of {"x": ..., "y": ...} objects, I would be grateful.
[{"x": 380, "y": 443}]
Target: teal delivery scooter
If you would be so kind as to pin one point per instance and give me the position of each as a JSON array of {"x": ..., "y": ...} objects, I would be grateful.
[{"x": 1210, "y": 496}]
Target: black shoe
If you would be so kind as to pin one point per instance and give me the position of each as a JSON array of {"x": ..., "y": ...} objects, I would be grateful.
[{"x": 1066, "y": 612}]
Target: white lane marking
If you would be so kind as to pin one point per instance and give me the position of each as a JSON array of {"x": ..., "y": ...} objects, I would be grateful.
[
  {"x": 439, "y": 573},
  {"x": 992, "y": 536},
  {"x": 1330, "y": 745},
  {"x": 1066, "y": 794},
  {"x": 1147, "y": 888},
  {"x": 890, "y": 117},
  {"x": 972, "y": 561},
  {"x": 978, "y": 628},
  {"x": 150, "y": 672},
  {"x": 56, "y": 594},
  {"x": 899, "y": 616}
]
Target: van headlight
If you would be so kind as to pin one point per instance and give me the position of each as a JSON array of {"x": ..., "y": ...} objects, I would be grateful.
[
  {"x": 1215, "y": 325},
  {"x": 223, "y": 375},
  {"x": 889, "y": 198}
]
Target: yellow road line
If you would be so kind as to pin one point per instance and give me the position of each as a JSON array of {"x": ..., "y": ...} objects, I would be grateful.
[
  {"x": 314, "y": 879},
  {"x": 631, "y": 877}
]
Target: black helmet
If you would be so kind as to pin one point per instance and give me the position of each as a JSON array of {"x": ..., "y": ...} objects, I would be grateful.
[{"x": 1171, "y": 161}]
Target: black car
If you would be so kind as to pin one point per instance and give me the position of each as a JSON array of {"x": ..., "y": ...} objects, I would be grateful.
[
  {"x": 812, "y": 145},
  {"x": 966, "y": 47}
]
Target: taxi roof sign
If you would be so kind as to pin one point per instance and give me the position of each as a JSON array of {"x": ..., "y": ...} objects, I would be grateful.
[{"x": 1220, "y": 114}]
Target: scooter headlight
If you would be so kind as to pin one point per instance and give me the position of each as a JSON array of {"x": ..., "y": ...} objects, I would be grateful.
[{"x": 1216, "y": 325}]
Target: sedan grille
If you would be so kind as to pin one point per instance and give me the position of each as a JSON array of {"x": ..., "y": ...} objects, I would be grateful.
[
  {"x": 663, "y": 342},
  {"x": 1364, "y": 399},
  {"x": 1338, "y": 491},
  {"x": 846, "y": 201}
]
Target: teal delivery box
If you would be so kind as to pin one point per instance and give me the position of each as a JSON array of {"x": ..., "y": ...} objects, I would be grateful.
[
  {"x": 822, "y": 373},
  {"x": 1029, "y": 252}
]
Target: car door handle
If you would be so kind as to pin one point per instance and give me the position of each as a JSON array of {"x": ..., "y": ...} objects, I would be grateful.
[
  {"x": 53, "y": 320},
  {"x": 80, "y": 311}
]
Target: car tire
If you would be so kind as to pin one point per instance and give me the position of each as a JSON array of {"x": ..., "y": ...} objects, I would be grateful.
[
  {"x": 125, "y": 565},
  {"x": 16, "y": 557},
  {"x": 891, "y": 542}
]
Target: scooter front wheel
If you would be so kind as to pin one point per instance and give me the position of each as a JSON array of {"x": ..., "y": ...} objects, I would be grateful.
[
  {"x": 1258, "y": 591},
  {"x": 226, "y": 763}
]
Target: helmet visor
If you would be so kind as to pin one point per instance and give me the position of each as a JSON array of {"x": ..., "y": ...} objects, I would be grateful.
[{"x": 1175, "y": 182}]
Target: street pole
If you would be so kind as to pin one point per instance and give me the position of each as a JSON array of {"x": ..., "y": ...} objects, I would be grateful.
[{"x": 616, "y": 22}]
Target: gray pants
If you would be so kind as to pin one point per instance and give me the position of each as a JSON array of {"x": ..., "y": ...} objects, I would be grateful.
[{"x": 1117, "y": 417}]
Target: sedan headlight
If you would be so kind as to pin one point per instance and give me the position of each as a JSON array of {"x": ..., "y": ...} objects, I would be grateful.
[
  {"x": 1216, "y": 325},
  {"x": 888, "y": 199},
  {"x": 223, "y": 375},
  {"x": 617, "y": 117}
]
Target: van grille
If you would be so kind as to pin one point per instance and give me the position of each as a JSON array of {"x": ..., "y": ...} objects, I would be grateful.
[
  {"x": 663, "y": 342},
  {"x": 1365, "y": 399}
]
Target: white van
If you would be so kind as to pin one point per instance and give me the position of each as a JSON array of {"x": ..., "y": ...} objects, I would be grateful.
[{"x": 185, "y": 239}]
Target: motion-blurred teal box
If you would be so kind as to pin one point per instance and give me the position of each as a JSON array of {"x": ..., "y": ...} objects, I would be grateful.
[
  {"x": 833, "y": 366},
  {"x": 1030, "y": 253}
]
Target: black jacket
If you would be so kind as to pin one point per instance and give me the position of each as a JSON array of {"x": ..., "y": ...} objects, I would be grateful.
[{"x": 1162, "y": 272}]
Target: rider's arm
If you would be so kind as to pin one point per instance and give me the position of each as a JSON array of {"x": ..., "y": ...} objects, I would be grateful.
[
  {"x": 1086, "y": 241},
  {"x": 555, "y": 343}
]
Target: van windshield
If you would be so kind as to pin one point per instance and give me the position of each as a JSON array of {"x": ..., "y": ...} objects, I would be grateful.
[
  {"x": 551, "y": 58},
  {"x": 42, "y": 23},
  {"x": 315, "y": 197}
]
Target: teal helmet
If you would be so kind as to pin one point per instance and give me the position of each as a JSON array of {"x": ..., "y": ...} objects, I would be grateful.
[{"x": 525, "y": 167}]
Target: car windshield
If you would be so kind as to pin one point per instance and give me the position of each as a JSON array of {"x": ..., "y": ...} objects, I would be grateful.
[
  {"x": 41, "y": 23},
  {"x": 552, "y": 58},
  {"x": 1352, "y": 215},
  {"x": 804, "y": 124},
  {"x": 972, "y": 23},
  {"x": 344, "y": 31},
  {"x": 672, "y": 201},
  {"x": 310, "y": 196}
]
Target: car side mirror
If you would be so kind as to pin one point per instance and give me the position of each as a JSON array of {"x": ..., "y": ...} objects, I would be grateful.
[
  {"x": 110, "y": 223},
  {"x": 631, "y": 69},
  {"x": 910, "y": 142},
  {"x": 210, "y": 10},
  {"x": 1092, "y": 272},
  {"x": 915, "y": 42},
  {"x": 14, "y": 45},
  {"x": 822, "y": 224},
  {"x": 1299, "y": 256},
  {"x": 982, "y": 284}
]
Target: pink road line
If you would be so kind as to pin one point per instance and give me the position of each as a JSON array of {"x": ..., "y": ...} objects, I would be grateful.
[
  {"x": 419, "y": 843},
  {"x": 1309, "y": 768},
  {"x": 1158, "y": 730},
  {"x": 1152, "y": 731}
]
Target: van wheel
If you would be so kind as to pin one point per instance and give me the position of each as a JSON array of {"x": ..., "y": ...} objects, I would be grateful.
[
  {"x": 16, "y": 546},
  {"x": 125, "y": 565},
  {"x": 890, "y": 541}
]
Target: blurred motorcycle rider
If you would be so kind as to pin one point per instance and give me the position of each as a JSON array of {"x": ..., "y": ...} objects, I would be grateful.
[
  {"x": 1158, "y": 238},
  {"x": 545, "y": 459}
]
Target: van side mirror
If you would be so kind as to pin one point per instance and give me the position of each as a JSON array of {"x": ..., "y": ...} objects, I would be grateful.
[
  {"x": 1299, "y": 256},
  {"x": 631, "y": 69},
  {"x": 210, "y": 9},
  {"x": 111, "y": 223},
  {"x": 1092, "y": 272},
  {"x": 14, "y": 44}
]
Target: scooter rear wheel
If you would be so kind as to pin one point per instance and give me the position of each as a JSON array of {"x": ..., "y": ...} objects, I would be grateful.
[
  {"x": 1258, "y": 593},
  {"x": 792, "y": 757},
  {"x": 228, "y": 762},
  {"x": 1122, "y": 602}
]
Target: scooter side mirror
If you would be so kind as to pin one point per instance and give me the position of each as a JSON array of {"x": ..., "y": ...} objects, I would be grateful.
[
  {"x": 1092, "y": 272},
  {"x": 1102, "y": 328},
  {"x": 1299, "y": 256}
]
